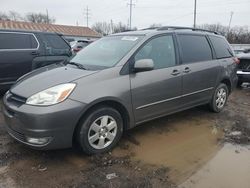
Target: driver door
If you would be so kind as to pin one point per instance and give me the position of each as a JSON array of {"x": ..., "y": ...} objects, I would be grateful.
[{"x": 157, "y": 92}]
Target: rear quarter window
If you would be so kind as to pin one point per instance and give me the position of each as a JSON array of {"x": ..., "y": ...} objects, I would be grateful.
[
  {"x": 221, "y": 47},
  {"x": 194, "y": 48},
  {"x": 55, "y": 45}
]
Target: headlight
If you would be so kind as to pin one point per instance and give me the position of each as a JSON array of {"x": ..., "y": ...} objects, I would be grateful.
[{"x": 52, "y": 95}]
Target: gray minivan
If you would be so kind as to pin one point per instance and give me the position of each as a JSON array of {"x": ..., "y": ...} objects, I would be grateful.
[{"x": 119, "y": 82}]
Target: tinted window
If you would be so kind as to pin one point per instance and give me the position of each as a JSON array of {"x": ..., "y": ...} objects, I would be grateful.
[
  {"x": 17, "y": 41},
  {"x": 55, "y": 45},
  {"x": 55, "y": 41},
  {"x": 160, "y": 50},
  {"x": 221, "y": 47},
  {"x": 194, "y": 48}
]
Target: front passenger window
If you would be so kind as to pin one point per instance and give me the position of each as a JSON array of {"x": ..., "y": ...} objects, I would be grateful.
[{"x": 161, "y": 50}]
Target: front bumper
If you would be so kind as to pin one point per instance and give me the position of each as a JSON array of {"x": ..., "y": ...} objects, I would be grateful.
[
  {"x": 57, "y": 122},
  {"x": 243, "y": 76}
]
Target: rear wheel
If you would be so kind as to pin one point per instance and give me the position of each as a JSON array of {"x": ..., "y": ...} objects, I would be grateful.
[
  {"x": 219, "y": 99},
  {"x": 100, "y": 131}
]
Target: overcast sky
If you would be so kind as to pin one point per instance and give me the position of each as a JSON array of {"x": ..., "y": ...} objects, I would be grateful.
[{"x": 145, "y": 12}]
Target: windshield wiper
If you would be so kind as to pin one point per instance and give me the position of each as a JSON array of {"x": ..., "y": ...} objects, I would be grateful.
[{"x": 78, "y": 65}]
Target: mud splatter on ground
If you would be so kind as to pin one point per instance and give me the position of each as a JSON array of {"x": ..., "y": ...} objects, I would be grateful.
[{"x": 161, "y": 153}]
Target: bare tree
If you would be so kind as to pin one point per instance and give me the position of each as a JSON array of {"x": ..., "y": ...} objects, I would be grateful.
[
  {"x": 155, "y": 25},
  {"x": 237, "y": 34},
  {"x": 103, "y": 28},
  {"x": 15, "y": 16},
  {"x": 120, "y": 27},
  {"x": 39, "y": 18},
  {"x": 4, "y": 16},
  {"x": 106, "y": 28}
]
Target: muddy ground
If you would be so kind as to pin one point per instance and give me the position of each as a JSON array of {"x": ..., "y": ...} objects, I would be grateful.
[{"x": 194, "y": 148}]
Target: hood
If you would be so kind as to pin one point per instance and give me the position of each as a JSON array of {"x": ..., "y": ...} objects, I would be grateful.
[
  {"x": 244, "y": 56},
  {"x": 47, "y": 77}
]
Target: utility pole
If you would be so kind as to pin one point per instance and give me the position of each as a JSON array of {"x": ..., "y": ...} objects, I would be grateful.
[
  {"x": 130, "y": 4},
  {"x": 47, "y": 14},
  {"x": 195, "y": 6},
  {"x": 230, "y": 21},
  {"x": 87, "y": 15}
]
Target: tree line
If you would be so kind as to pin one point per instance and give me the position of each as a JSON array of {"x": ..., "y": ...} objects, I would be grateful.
[
  {"x": 106, "y": 28},
  {"x": 29, "y": 17},
  {"x": 234, "y": 35},
  {"x": 237, "y": 34}
]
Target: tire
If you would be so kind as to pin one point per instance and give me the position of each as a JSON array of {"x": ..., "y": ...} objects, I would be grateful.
[
  {"x": 219, "y": 99},
  {"x": 100, "y": 130}
]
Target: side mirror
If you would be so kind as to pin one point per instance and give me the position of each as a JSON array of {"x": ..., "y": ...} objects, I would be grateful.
[{"x": 144, "y": 65}]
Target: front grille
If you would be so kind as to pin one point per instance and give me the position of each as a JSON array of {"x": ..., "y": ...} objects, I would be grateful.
[
  {"x": 15, "y": 99},
  {"x": 244, "y": 64}
]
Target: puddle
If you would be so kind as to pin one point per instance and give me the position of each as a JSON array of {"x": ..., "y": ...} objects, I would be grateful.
[
  {"x": 230, "y": 168},
  {"x": 181, "y": 146}
]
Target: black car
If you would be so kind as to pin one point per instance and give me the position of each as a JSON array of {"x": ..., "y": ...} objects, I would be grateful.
[
  {"x": 23, "y": 51},
  {"x": 243, "y": 68}
]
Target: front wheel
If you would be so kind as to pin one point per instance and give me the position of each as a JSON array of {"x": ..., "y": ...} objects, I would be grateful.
[
  {"x": 219, "y": 99},
  {"x": 100, "y": 130}
]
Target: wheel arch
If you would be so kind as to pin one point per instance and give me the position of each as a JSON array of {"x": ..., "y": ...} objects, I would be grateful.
[
  {"x": 110, "y": 102},
  {"x": 228, "y": 83}
]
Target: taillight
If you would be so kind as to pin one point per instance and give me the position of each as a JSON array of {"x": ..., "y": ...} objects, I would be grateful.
[
  {"x": 76, "y": 49},
  {"x": 236, "y": 60}
]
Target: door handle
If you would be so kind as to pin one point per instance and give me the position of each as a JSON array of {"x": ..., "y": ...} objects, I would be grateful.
[
  {"x": 34, "y": 53},
  {"x": 187, "y": 70},
  {"x": 175, "y": 72}
]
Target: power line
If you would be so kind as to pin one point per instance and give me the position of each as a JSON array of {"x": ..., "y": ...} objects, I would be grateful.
[
  {"x": 87, "y": 15},
  {"x": 130, "y": 4}
]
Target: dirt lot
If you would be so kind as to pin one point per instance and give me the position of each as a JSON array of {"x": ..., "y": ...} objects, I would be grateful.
[{"x": 194, "y": 148}]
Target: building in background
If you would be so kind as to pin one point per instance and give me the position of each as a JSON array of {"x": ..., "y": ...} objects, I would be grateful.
[{"x": 71, "y": 33}]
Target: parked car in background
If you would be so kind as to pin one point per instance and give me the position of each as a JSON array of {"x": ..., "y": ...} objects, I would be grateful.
[
  {"x": 238, "y": 51},
  {"x": 244, "y": 67},
  {"x": 80, "y": 44},
  {"x": 24, "y": 51},
  {"x": 118, "y": 82}
]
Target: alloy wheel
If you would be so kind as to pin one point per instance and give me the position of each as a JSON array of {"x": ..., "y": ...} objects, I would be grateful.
[
  {"x": 102, "y": 132},
  {"x": 221, "y": 98}
]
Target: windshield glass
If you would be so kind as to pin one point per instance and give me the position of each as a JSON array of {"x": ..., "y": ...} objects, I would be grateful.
[{"x": 106, "y": 52}]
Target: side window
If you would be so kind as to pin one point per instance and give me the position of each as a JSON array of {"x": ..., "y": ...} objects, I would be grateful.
[
  {"x": 14, "y": 41},
  {"x": 55, "y": 45},
  {"x": 161, "y": 50},
  {"x": 221, "y": 47},
  {"x": 194, "y": 48}
]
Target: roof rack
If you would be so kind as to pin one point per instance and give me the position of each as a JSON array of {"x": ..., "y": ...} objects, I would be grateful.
[{"x": 188, "y": 28}]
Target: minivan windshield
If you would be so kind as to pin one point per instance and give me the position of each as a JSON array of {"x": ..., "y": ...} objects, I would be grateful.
[{"x": 105, "y": 52}]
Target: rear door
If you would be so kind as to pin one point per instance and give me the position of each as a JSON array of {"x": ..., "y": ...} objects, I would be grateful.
[
  {"x": 200, "y": 70},
  {"x": 156, "y": 92},
  {"x": 17, "y": 51}
]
